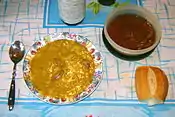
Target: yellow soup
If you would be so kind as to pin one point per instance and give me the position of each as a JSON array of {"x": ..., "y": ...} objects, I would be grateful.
[{"x": 62, "y": 69}]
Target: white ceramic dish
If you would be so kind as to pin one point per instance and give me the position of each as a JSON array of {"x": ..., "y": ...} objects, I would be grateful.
[{"x": 133, "y": 9}]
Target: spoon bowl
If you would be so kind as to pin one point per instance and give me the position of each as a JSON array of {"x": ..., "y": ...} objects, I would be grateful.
[{"x": 16, "y": 51}]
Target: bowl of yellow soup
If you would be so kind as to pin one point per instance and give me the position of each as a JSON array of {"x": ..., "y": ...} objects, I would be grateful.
[{"x": 62, "y": 68}]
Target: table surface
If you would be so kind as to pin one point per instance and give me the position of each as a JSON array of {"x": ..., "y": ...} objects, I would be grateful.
[
  {"x": 52, "y": 18},
  {"x": 115, "y": 97}
]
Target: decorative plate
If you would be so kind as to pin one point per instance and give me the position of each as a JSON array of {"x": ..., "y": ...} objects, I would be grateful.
[{"x": 69, "y": 36}]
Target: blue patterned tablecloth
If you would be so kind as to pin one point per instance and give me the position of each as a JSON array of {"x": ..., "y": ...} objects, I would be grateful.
[
  {"x": 116, "y": 96},
  {"x": 52, "y": 18}
]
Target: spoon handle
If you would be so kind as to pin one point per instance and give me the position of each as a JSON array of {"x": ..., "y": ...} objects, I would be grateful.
[{"x": 11, "y": 98}]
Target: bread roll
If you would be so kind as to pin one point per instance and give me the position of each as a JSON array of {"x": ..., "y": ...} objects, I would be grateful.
[{"x": 151, "y": 85}]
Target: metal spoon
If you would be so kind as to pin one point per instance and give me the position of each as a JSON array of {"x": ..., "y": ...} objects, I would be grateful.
[{"x": 16, "y": 53}]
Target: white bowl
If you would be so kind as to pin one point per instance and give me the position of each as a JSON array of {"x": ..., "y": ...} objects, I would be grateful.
[{"x": 134, "y": 9}]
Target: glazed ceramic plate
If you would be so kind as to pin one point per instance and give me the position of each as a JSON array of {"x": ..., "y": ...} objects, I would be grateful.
[{"x": 53, "y": 37}]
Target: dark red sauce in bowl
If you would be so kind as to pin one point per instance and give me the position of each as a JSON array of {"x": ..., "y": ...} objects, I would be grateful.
[{"x": 131, "y": 31}]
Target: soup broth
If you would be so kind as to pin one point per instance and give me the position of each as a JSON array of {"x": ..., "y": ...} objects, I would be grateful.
[
  {"x": 62, "y": 69},
  {"x": 131, "y": 31}
]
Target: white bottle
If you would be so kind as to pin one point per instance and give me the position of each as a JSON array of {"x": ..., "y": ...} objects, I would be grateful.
[{"x": 72, "y": 11}]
